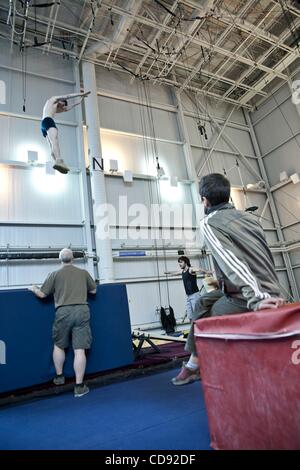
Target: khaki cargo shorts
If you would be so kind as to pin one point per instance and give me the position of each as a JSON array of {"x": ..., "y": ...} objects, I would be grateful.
[{"x": 72, "y": 321}]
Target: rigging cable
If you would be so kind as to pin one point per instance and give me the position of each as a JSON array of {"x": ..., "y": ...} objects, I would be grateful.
[{"x": 150, "y": 189}]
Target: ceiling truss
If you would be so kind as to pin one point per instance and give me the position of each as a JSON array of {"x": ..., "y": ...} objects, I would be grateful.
[{"x": 231, "y": 50}]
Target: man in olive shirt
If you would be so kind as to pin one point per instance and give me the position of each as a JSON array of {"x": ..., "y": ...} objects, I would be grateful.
[{"x": 70, "y": 286}]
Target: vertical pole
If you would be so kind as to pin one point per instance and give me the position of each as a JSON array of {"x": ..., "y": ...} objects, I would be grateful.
[
  {"x": 103, "y": 244},
  {"x": 84, "y": 185}
]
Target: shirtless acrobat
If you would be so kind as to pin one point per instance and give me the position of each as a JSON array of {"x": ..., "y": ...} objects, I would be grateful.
[{"x": 57, "y": 104}]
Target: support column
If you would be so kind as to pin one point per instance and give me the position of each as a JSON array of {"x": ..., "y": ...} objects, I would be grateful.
[
  {"x": 274, "y": 212},
  {"x": 84, "y": 186},
  {"x": 103, "y": 244}
]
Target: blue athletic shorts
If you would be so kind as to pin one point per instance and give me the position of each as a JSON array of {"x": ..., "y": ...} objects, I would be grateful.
[{"x": 46, "y": 124}]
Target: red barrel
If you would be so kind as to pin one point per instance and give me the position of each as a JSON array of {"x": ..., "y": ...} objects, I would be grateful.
[{"x": 250, "y": 370}]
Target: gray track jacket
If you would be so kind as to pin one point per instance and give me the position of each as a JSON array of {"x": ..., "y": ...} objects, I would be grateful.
[{"x": 241, "y": 254}]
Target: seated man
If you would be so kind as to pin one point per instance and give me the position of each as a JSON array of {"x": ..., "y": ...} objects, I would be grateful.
[{"x": 243, "y": 262}]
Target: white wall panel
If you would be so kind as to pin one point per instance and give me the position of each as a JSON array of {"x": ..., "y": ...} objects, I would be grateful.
[
  {"x": 20, "y": 135},
  {"x": 297, "y": 275},
  {"x": 287, "y": 200},
  {"x": 215, "y": 108},
  {"x": 276, "y": 128},
  {"x": 38, "y": 90},
  {"x": 13, "y": 273},
  {"x": 272, "y": 103},
  {"x": 44, "y": 64},
  {"x": 142, "y": 267},
  {"x": 26, "y": 236},
  {"x": 285, "y": 158},
  {"x": 122, "y": 83},
  {"x": 146, "y": 192},
  {"x": 241, "y": 202},
  {"x": 138, "y": 155},
  {"x": 240, "y": 138},
  {"x": 137, "y": 192},
  {"x": 5, "y": 137},
  {"x": 271, "y": 236},
  {"x": 292, "y": 233},
  {"x": 177, "y": 206},
  {"x": 36, "y": 197},
  {"x": 278, "y": 259},
  {"x": 130, "y": 117},
  {"x": 218, "y": 161},
  {"x": 295, "y": 257}
]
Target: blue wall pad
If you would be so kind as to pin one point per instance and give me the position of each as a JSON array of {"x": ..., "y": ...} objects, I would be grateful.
[{"x": 26, "y": 332}]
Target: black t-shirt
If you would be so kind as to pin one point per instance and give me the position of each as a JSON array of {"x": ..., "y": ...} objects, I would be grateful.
[{"x": 190, "y": 282}]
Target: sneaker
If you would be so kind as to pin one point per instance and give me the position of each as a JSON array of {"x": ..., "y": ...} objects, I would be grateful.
[
  {"x": 59, "y": 380},
  {"x": 61, "y": 166},
  {"x": 80, "y": 390},
  {"x": 186, "y": 376}
]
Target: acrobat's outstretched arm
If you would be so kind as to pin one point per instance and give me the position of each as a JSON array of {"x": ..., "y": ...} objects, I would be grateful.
[
  {"x": 73, "y": 105},
  {"x": 193, "y": 270},
  {"x": 71, "y": 95},
  {"x": 172, "y": 273}
]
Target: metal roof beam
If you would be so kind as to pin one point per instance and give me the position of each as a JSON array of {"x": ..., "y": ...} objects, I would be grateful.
[
  {"x": 245, "y": 26},
  {"x": 185, "y": 68},
  {"x": 269, "y": 78},
  {"x": 243, "y": 44},
  {"x": 81, "y": 32},
  {"x": 192, "y": 31},
  {"x": 219, "y": 41},
  {"x": 197, "y": 41},
  {"x": 176, "y": 84},
  {"x": 283, "y": 64},
  {"x": 157, "y": 36}
]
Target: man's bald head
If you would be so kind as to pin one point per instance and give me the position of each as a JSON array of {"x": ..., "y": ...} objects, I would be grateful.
[{"x": 66, "y": 256}]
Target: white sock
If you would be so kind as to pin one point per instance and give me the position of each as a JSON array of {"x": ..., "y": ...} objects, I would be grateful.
[{"x": 191, "y": 365}]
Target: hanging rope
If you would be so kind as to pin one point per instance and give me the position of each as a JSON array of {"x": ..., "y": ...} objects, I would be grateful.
[
  {"x": 150, "y": 189},
  {"x": 157, "y": 163},
  {"x": 24, "y": 76},
  {"x": 150, "y": 145}
]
